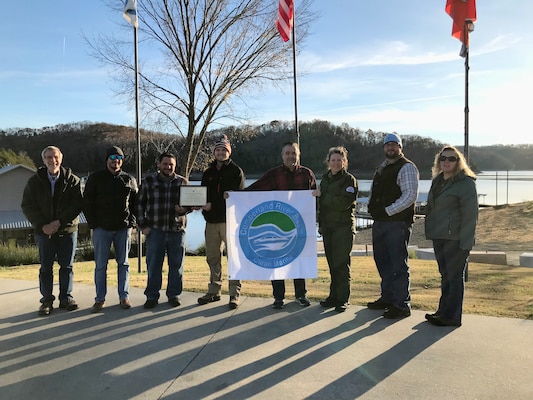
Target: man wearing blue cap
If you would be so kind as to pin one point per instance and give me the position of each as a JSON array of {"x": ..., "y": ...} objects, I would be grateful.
[{"x": 392, "y": 206}]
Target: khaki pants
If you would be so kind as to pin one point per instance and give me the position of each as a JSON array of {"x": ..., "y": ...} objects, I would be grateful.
[{"x": 215, "y": 239}]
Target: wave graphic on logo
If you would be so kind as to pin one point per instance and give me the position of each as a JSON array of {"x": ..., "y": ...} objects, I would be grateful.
[
  {"x": 269, "y": 240},
  {"x": 272, "y": 234}
]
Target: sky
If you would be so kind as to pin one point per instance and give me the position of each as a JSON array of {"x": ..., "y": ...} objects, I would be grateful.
[{"x": 384, "y": 65}]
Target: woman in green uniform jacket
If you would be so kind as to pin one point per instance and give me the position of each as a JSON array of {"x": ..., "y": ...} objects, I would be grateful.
[{"x": 336, "y": 203}]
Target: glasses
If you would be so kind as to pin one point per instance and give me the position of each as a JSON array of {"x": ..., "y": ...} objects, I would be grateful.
[
  {"x": 450, "y": 158},
  {"x": 115, "y": 157}
]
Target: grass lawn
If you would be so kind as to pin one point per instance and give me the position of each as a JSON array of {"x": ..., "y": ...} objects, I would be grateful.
[{"x": 495, "y": 290}]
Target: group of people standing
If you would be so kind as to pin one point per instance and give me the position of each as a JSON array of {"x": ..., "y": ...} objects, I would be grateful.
[{"x": 113, "y": 205}]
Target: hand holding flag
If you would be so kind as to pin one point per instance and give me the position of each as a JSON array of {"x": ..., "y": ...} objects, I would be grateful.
[{"x": 130, "y": 12}]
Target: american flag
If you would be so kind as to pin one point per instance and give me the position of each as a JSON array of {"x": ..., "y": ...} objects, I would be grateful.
[{"x": 285, "y": 18}]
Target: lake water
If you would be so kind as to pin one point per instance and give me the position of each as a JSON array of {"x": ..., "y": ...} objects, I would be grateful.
[{"x": 493, "y": 187}]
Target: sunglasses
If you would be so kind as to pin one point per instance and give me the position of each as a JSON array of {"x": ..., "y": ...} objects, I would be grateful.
[
  {"x": 451, "y": 158},
  {"x": 115, "y": 157}
]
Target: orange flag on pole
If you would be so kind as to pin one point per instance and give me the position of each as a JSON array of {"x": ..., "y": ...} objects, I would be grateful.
[
  {"x": 459, "y": 11},
  {"x": 285, "y": 18}
]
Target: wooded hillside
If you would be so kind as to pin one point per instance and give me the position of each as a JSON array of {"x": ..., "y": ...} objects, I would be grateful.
[{"x": 255, "y": 148}]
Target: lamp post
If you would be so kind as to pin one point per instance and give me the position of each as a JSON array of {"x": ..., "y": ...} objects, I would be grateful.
[{"x": 468, "y": 28}]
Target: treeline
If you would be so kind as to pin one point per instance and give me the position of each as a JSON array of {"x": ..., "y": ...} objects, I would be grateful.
[{"x": 255, "y": 148}]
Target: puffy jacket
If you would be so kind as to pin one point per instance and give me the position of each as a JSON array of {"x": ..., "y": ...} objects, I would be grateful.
[
  {"x": 452, "y": 210},
  {"x": 41, "y": 208},
  {"x": 218, "y": 181},
  {"x": 337, "y": 199},
  {"x": 109, "y": 200}
]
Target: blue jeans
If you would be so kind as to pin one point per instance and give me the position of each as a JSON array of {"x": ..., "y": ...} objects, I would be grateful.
[
  {"x": 64, "y": 248},
  {"x": 452, "y": 262},
  {"x": 389, "y": 242},
  {"x": 157, "y": 244},
  {"x": 102, "y": 240}
]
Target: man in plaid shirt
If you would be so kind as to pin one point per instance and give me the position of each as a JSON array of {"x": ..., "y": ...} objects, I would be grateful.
[
  {"x": 289, "y": 176},
  {"x": 163, "y": 222}
]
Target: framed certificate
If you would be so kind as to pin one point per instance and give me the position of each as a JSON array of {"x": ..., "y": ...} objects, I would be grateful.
[{"x": 193, "y": 196}]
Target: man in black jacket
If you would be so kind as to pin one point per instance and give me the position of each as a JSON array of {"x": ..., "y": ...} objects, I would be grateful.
[
  {"x": 52, "y": 202},
  {"x": 221, "y": 176},
  {"x": 110, "y": 208}
]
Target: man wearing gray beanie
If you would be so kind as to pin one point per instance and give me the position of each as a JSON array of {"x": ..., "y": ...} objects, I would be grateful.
[
  {"x": 392, "y": 206},
  {"x": 110, "y": 208}
]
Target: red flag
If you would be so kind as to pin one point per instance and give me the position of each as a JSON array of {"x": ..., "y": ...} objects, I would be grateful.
[
  {"x": 285, "y": 18},
  {"x": 460, "y": 10}
]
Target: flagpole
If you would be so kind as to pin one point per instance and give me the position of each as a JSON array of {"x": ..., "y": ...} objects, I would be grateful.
[
  {"x": 466, "y": 28},
  {"x": 138, "y": 141},
  {"x": 296, "y": 124}
]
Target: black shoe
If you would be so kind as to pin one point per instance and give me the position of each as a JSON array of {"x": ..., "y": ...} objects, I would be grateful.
[
  {"x": 233, "y": 302},
  {"x": 174, "y": 302},
  {"x": 396, "y": 313},
  {"x": 328, "y": 303},
  {"x": 150, "y": 304},
  {"x": 430, "y": 316},
  {"x": 69, "y": 304},
  {"x": 440, "y": 321},
  {"x": 208, "y": 298},
  {"x": 342, "y": 307},
  {"x": 278, "y": 304},
  {"x": 45, "y": 308},
  {"x": 303, "y": 301},
  {"x": 379, "y": 304}
]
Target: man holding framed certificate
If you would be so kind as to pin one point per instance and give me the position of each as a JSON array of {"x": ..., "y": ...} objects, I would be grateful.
[{"x": 222, "y": 175}]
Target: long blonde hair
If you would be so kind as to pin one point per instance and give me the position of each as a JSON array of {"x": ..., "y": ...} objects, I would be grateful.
[{"x": 461, "y": 166}]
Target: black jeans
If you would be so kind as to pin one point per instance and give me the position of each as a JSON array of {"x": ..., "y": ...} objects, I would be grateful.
[
  {"x": 452, "y": 265},
  {"x": 278, "y": 288}
]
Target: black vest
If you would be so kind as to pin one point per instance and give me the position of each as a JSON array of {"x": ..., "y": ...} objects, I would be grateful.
[{"x": 386, "y": 191}]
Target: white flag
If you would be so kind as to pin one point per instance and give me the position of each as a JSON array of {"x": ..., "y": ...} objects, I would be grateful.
[
  {"x": 130, "y": 12},
  {"x": 271, "y": 235}
]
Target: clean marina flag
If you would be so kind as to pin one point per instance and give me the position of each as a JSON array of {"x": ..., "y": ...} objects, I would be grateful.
[{"x": 271, "y": 235}]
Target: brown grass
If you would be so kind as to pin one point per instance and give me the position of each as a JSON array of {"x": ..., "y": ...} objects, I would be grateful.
[{"x": 493, "y": 290}]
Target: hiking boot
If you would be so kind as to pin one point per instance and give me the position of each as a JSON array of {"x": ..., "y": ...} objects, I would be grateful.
[
  {"x": 174, "y": 302},
  {"x": 149, "y": 304},
  {"x": 278, "y": 304},
  {"x": 342, "y": 307},
  {"x": 97, "y": 307},
  {"x": 396, "y": 313},
  {"x": 438, "y": 320},
  {"x": 208, "y": 298},
  {"x": 328, "y": 303},
  {"x": 45, "y": 308},
  {"x": 303, "y": 301},
  {"x": 69, "y": 304},
  {"x": 379, "y": 304},
  {"x": 125, "y": 304},
  {"x": 233, "y": 302}
]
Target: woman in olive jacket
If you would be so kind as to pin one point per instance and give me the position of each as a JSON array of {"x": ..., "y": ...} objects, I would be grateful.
[
  {"x": 451, "y": 218},
  {"x": 336, "y": 203}
]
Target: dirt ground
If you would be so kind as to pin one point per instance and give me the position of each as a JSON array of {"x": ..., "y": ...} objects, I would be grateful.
[{"x": 500, "y": 228}]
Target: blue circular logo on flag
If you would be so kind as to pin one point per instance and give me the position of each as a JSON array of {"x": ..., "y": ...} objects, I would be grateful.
[{"x": 272, "y": 234}]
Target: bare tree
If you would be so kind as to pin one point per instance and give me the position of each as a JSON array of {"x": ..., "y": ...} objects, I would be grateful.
[{"x": 213, "y": 53}]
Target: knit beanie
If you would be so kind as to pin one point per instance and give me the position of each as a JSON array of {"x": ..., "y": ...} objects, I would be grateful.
[
  {"x": 224, "y": 143},
  {"x": 113, "y": 150},
  {"x": 392, "y": 137}
]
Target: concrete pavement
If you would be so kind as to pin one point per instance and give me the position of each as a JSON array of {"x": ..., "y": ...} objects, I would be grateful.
[{"x": 254, "y": 352}]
